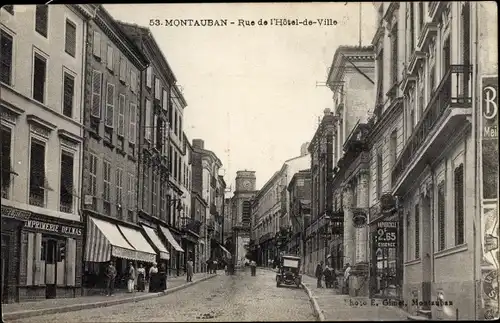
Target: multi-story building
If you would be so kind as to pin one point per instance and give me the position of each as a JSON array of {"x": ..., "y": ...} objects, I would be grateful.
[
  {"x": 228, "y": 221},
  {"x": 42, "y": 77},
  {"x": 205, "y": 171},
  {"x": 111, "y": 149},
  {"x": 351, "y": 81},
  {"x": 153, "y": 149},
  {"x": 425, "y": 164},
  {"x": 219, "y": 250},
  {"x": 299, "y": 190}
]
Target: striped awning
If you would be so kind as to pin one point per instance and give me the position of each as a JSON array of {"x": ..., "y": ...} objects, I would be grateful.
[
  {"x": 171, "y": 239},
  {"x": 105, "y": 240},
  {"x": 144, "y": 250},
  {"x": 164, "y": 254}
]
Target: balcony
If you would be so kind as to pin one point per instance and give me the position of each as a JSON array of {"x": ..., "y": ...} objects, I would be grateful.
[
  {"x": 213, "y": 182},
  {"x": 37, "y": 198},
  {"x": 444, "y": 116},
  {"x": 189, "y": 224}
]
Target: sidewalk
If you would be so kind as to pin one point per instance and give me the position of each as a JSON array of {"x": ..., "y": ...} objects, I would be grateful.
[
  {"x": 59, "y": 305},
  {"x": 330, "y": 305}
]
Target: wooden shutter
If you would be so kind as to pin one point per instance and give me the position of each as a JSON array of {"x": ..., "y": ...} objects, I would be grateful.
[
  {"x": 155, "y": 125},
  {"x": 39, "y": 275},
  {"x": 123, "y": 68},
  {"x": 96, "y": 93},
  {"x": 70, "y": 261},
  {"x": 121, "y": 115},
  {"x": 41, "y": 19},
  {"x": 110, "y": 104},
  {"x": 62, "y": 255},
  {"x": 96, "y": 49},
  {"x": 459, "y": 205},
  {"x": 149, "y": 75},
  {"x": 148, "y": 119},
  {"x": 70, "y": 44},
  {"x": 109, "y": 58},
  {"x": 30, "y": 257},
  {"x": 69, "y": 86},
  {"x": 133, "y": 122}
]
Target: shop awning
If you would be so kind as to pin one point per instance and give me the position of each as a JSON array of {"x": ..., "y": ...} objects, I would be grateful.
[
  {"x": 105, "y": 240},
  {"x": 228, "y": 254},
  {"x": 143, "y": 249},
  {"x": 171, "y": 239},
  {"x": 164, "y": 254}
]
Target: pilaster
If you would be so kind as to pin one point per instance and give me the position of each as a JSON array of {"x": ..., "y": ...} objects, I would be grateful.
[{"x": 349, "y": 239}]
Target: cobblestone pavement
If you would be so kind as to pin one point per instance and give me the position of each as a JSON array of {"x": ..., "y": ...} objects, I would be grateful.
[
  {"x": 60, "y": 302},
  {"x": 337, "y": 307},
  {"x": 223, "y": 298}
]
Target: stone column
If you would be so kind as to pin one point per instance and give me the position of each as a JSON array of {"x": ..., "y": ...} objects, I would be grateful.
[
  {"x": 349, "y": 247},
  {"x": 362, "y": 233}
]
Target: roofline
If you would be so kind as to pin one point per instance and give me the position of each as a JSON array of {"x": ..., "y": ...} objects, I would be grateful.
[{"x": 344, "y": 49}]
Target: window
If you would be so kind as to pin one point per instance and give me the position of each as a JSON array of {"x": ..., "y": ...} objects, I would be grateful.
[
  {"x": 130, "y": 191},
  {"x": 41, "y": 19},
  {"x": 70, "y": 44},
  {"x": 6, "y": 161},
  {"x": 420, "y": 16},
  {"x": 148, "y": 120},
  {"x": 157, "y": 89},
  {"x": 93, "y": 175},
  {"x": 393, "y": 147},
  {"x": 133, "y": 81},
  {"x": 459, "y": 205},
  {"x": 110, "y": 105},
  {"x": 155, "y": 130},
  {"x": 154, "y": 197},
  {"x": 69, "y": 92},
  {"x": 412, "y": 27},
  {"x": 394, "y": 54},
  {"x": 175, "y": 165},
  {"x": 6, "y": 59},
  {"x": 417, "y": 231},
  {"x": 107, "y": 181},
  {"x": 175, "y": 122},
  {"x": 9, "y": 8},
  {"x": 133, "y": 121},
  {"x": 121, "y": 115},
  {"x": 96, "y": 94},
  {"x": 441, "y": 216},
  {"x": 146, "y": 189},
  {"x": 170, "y": 155},
  {"x": 380, "y": 74},
  {"x": 39, "y": 74},
  {"x": 123, "y": 69},
  {"x": 119, "y": 187},
  {"x": 180, "y": 127},
  {"x": 66, "y": 180},
  {"x": 109, "y": 58},
  {"x": 159, "y": 134},
  {"x": 149, "y": 76},
  {"x": 165, "y": 100},
  {"x": 379, "y": 175},
  {"x": 96, "y": 50},
  {"x": 37, "y": 173}
]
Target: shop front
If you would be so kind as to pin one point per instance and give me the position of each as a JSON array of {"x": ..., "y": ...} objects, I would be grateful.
[
  {"x": 13, "y": 221},
  {"x": 162, "y": 252},
  {"x": 386, "y": 268},
  {"x": 176, "y": 251},
  {"x": 51, "y": 259},
  {"x": 189, "y": 243},
  {"x": 111, "y": 241}
]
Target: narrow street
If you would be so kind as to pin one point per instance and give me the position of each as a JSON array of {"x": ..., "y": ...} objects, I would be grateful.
[{"x": 223, "y": 299}]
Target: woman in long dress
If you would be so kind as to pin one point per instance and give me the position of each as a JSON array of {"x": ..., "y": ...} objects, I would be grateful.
[
  {"x": 131, "y": 278},
  {"x": 141, "y": 275}
]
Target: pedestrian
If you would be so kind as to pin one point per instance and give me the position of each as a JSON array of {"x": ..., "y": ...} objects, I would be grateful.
[
  {"x": 253, "y": 267},
  {"x": 131, "y": 277},
  {"x": 141, "y": 278},
  {"x": 347, "y": 274},
  {"x": 189, "y": 266},
  {"x": 110, "y": 278},
  {"x": 153, "y": 279},
  {"x": 327, "y": 273},
  {"x": 163, "y": 277},
  {"x": 319, "y": 274},
  {"x": 215, "y": 267},
  {"x": 209, "y": 266}
]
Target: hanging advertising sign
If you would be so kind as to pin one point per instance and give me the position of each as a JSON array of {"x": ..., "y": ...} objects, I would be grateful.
[
  {"x": 386, "y": 234},
  {"x": 489, "y": 137}
]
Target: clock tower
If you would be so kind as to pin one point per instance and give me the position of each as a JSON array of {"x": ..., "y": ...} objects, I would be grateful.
[{"x": 245, "y": 181}]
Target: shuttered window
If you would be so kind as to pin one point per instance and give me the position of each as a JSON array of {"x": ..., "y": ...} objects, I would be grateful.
[
  {"x": 93, "y": 175},
  {"x": 6, "y": 58},
  {"x": 107, "y": 181},
  {"x": 133, "y": 123},
  {"x": 69, "y": 92},
  {"x": 157, "y": 89},
  {"x": 146, "y": 188},
  {"x": 39, "y": 77},
  {"x": 148, "y": 120},
  {"x": 42, "y": 19},
  {"x": 6, "y": 142},
  {"x": 96, "y": 50},
  {"x": 130, "y": 191},
  {"x": 96, "y": 93},
  {"x": 70, "y": 262},
  {"x": 121, "y": 115},
  {"x": 149, "y": 76},
  {"x": 441, "y": 217},
  {"x": 37, "y": 173},
  {"x": 133, "y": 81},
  {"x": 123, "y": 69},
  {"x": 70, "y": 44},
  {"x": 66, "y": 181},
  {"x": 417, "y": 231},
  {"x": 109, "y": 58},
  {"x": 119, "y": 185},
  {"x": 110, "y": 105},
  {"x": 459, "y": 205},
  {"x": 165, "y": 100}
]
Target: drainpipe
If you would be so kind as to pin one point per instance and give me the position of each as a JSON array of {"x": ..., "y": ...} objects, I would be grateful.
[{"x": 433, "y": 177}]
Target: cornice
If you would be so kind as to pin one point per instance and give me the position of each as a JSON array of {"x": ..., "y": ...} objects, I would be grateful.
[
  {"x": 159, "y": 58},
  {"x": 33, "y": 119},
  {"x": 69, "y": 136},
  {"x": 386, "y": 118}
]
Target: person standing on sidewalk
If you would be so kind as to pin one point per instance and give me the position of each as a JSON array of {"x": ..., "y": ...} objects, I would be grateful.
[
  {"x": 141, "y": 277},
  {"x": 319, "y": 274},
  {"x": 110, "y": 278},
  {"x": 189, "y": 268},
  {"x": 347, "y": 273},
  {"x": 131, "y": 277},
  {"x": 153, "y": 278}
]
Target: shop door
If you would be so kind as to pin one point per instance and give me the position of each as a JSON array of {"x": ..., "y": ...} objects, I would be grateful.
[
  {"x": 5, "y": 268},
  {"x": 51, "y": 254}
]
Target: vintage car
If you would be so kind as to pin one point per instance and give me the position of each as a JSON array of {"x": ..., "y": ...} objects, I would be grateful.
[{"x": 289, "y": 271}]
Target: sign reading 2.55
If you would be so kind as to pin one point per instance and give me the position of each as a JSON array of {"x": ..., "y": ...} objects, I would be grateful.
[{"x": 386, "y": 236}]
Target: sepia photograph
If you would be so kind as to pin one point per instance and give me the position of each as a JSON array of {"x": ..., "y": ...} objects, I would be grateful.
[{"x": 249, "y": 162}]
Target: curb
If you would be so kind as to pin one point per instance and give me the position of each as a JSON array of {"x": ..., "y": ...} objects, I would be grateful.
[
  {"x": 78, "y": 307},
  {"x": 317, "y": 311}
]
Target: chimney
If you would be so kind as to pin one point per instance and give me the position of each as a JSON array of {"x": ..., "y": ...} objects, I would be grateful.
[
  {"x": 198, "y": 143},
  {"x": 327, "y": 111},
  {"x": 303, "y": 149}
]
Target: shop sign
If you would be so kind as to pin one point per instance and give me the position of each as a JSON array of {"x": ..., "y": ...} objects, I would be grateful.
[
  {"x": 386, "y": 235},
  {"x": 489, "y": 104},
  {"x": 13, "y": 213},
  {"x": 53, "y": 227}
]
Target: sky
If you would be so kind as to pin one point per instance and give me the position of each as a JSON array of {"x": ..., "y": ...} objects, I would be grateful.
[{"x": 252, "y": 91}]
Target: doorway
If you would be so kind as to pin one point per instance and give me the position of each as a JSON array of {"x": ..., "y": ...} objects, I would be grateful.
[{"x": 5, "y": 268}]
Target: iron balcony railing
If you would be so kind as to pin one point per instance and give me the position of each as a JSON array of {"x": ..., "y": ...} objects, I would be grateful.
[{"x": 443, "y": 97}]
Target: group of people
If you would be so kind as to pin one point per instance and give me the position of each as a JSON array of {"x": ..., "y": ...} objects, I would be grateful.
[
  {"x": 156, "y": 278},
  {"x": 328, "y": 274}
]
